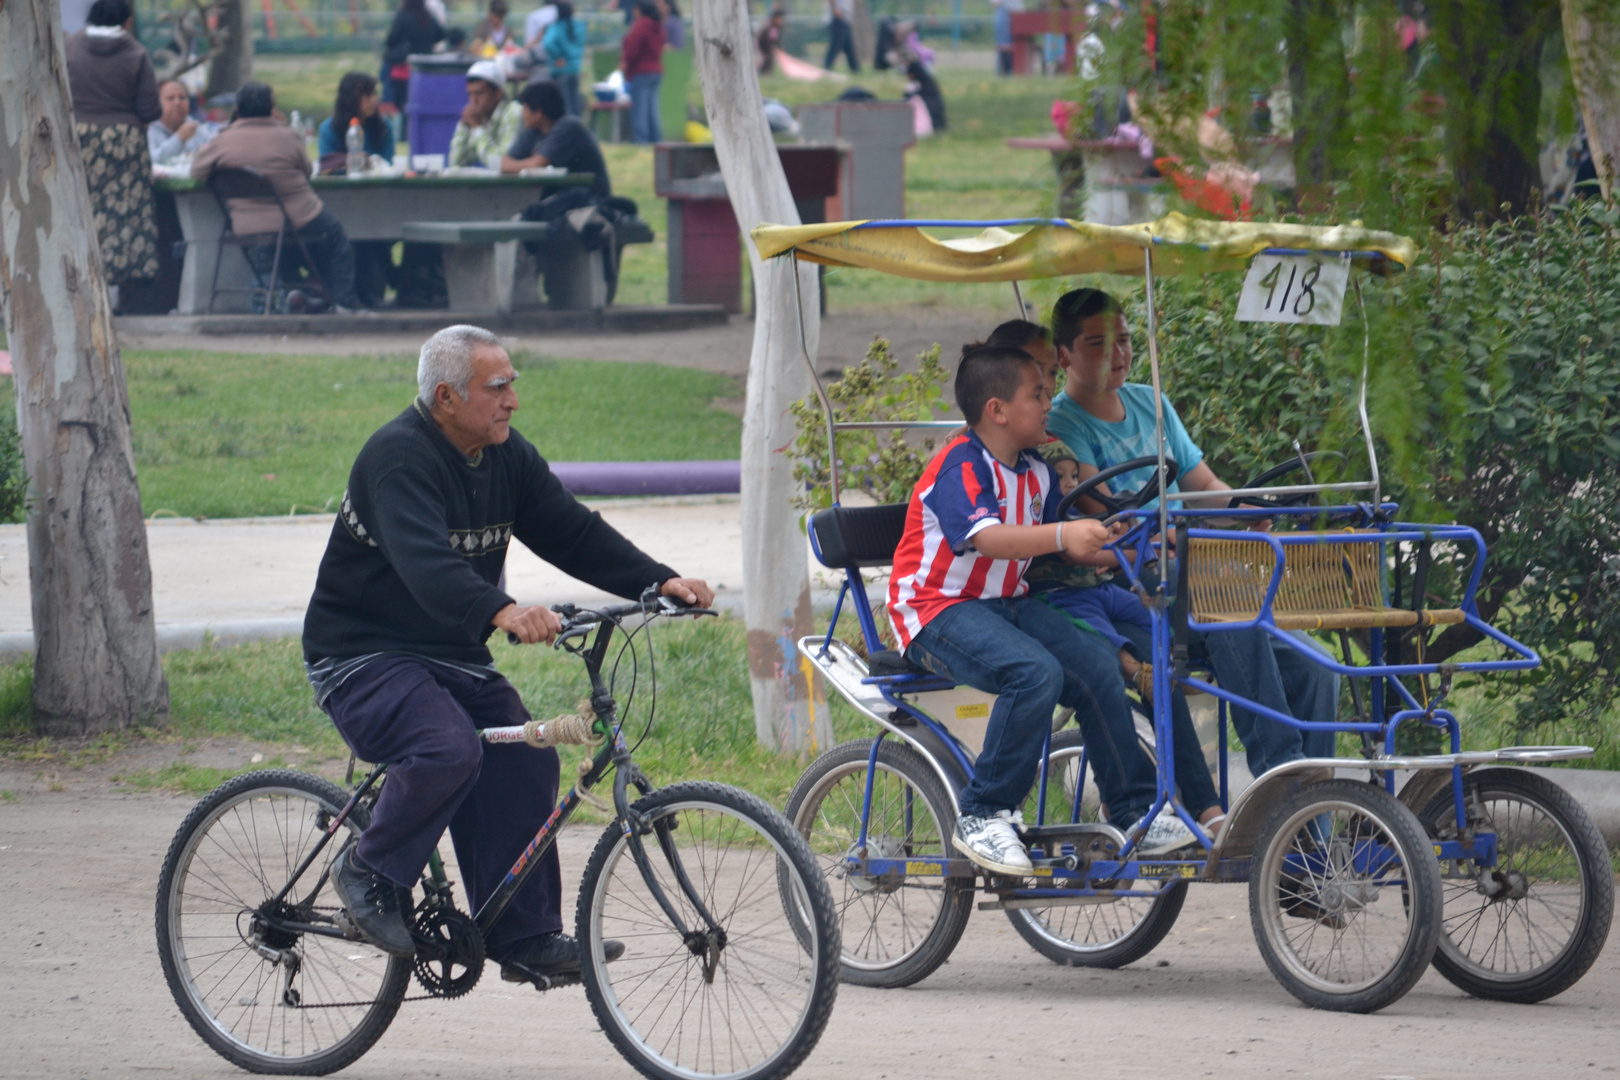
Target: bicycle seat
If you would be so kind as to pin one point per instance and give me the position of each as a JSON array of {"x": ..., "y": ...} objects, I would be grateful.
[
  {"x": 858, "y": 535},
  {"x": 887, "y": 663}
]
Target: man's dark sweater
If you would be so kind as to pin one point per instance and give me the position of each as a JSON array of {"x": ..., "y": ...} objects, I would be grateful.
[{"x": 416, "y": 553}]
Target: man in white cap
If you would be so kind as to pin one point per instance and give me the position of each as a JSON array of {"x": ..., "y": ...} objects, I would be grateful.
[{"x": 489, "y": 123}]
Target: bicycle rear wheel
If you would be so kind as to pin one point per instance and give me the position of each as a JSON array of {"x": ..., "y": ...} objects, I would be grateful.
[
  {"x": 267, "y": 1000},
  {"x": 748, "y": 1003}
]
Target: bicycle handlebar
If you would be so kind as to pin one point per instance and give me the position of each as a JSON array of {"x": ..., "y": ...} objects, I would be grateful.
[{"x": 577, "y": 620}]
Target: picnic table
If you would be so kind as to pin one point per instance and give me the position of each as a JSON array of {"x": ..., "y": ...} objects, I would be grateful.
[{"x": 370, "y": 208}]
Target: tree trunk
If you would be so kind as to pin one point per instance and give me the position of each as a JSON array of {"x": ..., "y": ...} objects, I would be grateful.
[
  {"x": 1490, "y": 64},
  {"x": 1319, "y": 86},
  {"x": 233, "y": 64},
  {"x": 790, "y": 705},
  {"x": 1592, "y": 36},
  {"x": 95, "y": 653}
]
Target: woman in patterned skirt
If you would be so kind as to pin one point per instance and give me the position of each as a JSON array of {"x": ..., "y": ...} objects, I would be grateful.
[{"x": 114, "y": 98}]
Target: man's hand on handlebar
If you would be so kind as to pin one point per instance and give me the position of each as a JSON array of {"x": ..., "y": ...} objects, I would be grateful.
[
  {"x": 528, "y": 625},
  {"x": 693, "y": 591}
]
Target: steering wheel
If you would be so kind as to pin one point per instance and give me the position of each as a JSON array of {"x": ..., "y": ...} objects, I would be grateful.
[
  {"x": 1277, "y": 472},
  {"x": 1118, "y": 504}
]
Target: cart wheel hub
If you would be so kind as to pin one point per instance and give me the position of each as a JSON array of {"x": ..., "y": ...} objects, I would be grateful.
[{"x": 877, "y": 847}]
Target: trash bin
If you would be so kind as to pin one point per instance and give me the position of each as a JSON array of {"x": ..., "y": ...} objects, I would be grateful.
[
  {"x": 702, "y": 237},
  {"x": 438, "y": 93},
  {"x": 877, "y": 134}
]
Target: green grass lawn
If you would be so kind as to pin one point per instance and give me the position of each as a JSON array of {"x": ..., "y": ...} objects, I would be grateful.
[
  {"x": 223, "y": 435},
  {"x": 703, "y": 727}
]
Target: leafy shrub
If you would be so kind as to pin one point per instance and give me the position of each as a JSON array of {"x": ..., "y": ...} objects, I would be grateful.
[
  {"x": 13, "y": 475},
  {"x": 883, "y": 464}
]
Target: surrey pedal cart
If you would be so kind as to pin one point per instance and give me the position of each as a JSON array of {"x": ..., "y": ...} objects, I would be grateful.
[{"x": 1357, "y": 882}]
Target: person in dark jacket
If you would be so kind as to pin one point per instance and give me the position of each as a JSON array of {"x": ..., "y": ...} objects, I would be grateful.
[
  {"x": 407, "y": 594},
  {"x": 414, "y": 30},
  {"x": 115, "y": 97}
]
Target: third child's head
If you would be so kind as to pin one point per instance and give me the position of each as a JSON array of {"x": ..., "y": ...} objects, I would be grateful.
[
  {"x": 1034, "y": 339},
  {"x": 1093, "y": 343},
  {"x": 1003, "y": 396}
]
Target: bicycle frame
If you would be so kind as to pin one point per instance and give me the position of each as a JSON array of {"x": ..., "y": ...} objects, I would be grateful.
[{"x": 614, "y": 754}]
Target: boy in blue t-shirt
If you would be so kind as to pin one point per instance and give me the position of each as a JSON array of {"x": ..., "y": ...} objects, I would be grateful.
[{"x": 1106, "y": 420}]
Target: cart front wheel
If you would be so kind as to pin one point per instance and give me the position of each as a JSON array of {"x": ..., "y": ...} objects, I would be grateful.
[
  {"x": 1530, "y": 926},
  {"x": 1345, "y": 896}
]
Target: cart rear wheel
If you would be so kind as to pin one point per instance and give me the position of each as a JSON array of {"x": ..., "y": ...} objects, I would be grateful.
[
  {"x": 1345, "y": 896},
  {"x": 1101, "y": 932},
  {"x": 1532, "y": 925},
  {"x": 896, "y": 931}
]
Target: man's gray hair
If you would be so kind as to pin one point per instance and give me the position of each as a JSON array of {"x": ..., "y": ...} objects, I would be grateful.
[{"x": 447, "y": 358}]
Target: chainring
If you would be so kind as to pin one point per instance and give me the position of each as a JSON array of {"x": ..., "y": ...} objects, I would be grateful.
[{"x": 463, "y": 952}]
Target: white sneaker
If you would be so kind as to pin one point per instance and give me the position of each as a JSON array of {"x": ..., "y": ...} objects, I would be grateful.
[
  {"x": 993, "y": 843},
  {"x": 1167, "y": 833}
]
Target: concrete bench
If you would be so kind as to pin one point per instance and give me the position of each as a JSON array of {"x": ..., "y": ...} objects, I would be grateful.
[{"x": 487, "y": 266}]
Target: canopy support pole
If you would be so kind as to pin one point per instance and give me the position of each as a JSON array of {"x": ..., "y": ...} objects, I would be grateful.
[
  {"x": 1018, "y": 297},
  {"x": 815, "y": 378},
  {"x": 1361, "y": 404},
  {"x": 1158, "y": 418}
]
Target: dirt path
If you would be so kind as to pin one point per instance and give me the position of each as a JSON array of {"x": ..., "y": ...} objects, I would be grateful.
[{"x": 82, "y": 994}]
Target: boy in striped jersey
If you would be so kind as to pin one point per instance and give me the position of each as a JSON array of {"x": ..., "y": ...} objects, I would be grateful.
[{"x": 984, "y": 507}]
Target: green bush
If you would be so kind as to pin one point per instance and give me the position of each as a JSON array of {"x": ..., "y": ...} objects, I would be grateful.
[
  {"x": 13, "y": 476},
  {"x": 1495, "y": 375}
]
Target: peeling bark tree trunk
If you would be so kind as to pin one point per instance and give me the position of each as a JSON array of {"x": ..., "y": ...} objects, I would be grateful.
[
  {"x": 1592, "y": 36},
  {"x": 790, "y": 706},
  {"x": 233, "y": 65},
  {"x": 95, "y": 656}
]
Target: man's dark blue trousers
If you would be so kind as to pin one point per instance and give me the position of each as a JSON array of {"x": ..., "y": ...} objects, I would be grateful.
[{"x": 423, "y": 719}]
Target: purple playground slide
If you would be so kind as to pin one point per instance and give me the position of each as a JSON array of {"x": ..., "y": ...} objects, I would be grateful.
[{"x": 650, "y": 477}]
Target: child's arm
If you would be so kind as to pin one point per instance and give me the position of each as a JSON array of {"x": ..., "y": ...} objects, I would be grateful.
[{"x": 1080, "y": 540}]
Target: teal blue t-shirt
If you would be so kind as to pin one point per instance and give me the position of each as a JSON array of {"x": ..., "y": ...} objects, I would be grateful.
[{"x": 1103, "y": 443}]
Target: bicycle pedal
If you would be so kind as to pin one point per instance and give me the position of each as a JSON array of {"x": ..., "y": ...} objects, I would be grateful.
[{"x": 516, "y": 973}]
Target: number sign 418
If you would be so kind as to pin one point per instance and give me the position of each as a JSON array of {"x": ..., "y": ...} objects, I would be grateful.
[{"x": 1294, "y": 289}]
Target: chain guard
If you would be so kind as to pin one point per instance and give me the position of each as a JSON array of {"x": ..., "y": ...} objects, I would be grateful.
[{"x": 462, "y": 952}]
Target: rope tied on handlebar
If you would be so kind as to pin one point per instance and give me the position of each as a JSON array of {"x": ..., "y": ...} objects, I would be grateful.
[{"x": 569, "y": 729}]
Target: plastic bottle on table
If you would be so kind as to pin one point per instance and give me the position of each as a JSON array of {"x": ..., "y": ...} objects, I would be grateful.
[{"x": 356, "y": 142}]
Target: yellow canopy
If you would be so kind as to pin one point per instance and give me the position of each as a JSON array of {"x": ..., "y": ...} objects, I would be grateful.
[{"x": 1055, "y": 248}]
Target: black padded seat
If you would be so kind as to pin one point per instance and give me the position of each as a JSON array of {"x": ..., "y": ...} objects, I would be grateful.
[
  {"x": 887, "y": 663},
  {"x": 862, "y": 535}
]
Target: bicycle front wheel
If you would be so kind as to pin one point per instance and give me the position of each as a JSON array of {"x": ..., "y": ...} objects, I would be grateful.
[
  {"x": 267, "y": 999},
  {"x": 742, "y": 999}
]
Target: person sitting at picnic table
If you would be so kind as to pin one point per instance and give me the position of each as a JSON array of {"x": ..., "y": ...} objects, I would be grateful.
[
  {"x": 550, "y": 136},
  {"x": 257, "y": 140},
  {"x": 176, "y": 134},
  {"x": 491, "y": 34},
  {"x": 357, "y": 99},
  {"x": 489, "y": 122},
  {"x": 1106, "y": 420}
]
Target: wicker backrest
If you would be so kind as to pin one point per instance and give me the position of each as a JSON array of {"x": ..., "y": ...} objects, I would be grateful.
[{"x": 1227, "y": 579}]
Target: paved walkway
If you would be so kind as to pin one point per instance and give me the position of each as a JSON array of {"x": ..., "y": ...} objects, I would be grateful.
[{"x": 243, "y": 578}]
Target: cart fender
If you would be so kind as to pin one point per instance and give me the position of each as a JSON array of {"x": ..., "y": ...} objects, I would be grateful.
[{"x": 1255, "y": 803}]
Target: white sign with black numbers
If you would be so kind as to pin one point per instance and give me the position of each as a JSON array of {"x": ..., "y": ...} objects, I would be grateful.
[{"x": 1294, "y": 289}]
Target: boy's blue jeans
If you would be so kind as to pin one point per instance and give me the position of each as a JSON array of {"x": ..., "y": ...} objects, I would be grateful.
[
  {"x": 1034, "y": 658},
  {"x": 1255, "y": 665}
]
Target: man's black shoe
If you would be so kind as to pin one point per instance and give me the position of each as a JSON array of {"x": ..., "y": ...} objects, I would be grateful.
[
  {"x": 373, "y": 904},
  {"x": 549, "y": 955}
]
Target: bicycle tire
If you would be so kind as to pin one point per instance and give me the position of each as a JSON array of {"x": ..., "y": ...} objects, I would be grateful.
[
  {"x": 1105, "y": 935},
  {"x": 200, "y": 904},
  {"x": 883, "y": 946},
  {"x": 1527, "y": 862},
  {"x": 761, "y": 970},
  {"x": 1326, "y": 857}
]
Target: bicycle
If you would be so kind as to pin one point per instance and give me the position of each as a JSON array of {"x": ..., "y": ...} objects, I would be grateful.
[{"x": 271, "y": 974}]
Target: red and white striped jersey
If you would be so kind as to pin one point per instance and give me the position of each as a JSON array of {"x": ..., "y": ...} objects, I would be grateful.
[{"x": 963, "y": 490}]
